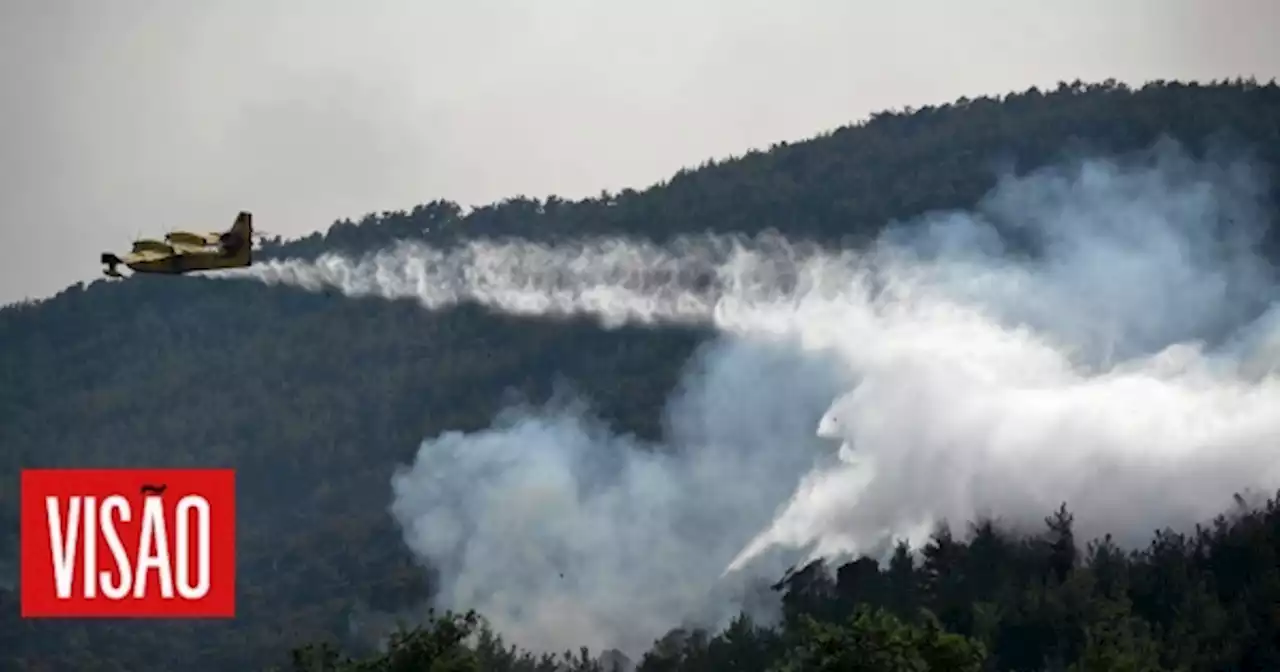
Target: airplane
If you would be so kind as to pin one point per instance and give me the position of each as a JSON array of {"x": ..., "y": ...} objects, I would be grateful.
[{"x": 184, "y": 251}]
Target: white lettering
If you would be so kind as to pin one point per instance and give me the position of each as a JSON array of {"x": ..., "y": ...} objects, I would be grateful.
[
  {"x": 153, "y": 551},
  {"x": 64, "y": 549},
  {"x": 115, "y": 591},
  {"x": 87, "y": 518},
  {"x": 90, "y": 547},
  {"x": 201, "y": 507}
]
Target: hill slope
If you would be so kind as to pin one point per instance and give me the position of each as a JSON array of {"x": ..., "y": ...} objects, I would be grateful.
[{"x": 316, "y": 399}]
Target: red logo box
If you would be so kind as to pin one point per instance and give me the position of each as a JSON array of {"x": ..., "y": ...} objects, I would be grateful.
[{"x": 136, "y": 543}]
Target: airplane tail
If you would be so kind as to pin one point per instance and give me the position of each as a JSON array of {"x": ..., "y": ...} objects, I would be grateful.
[
  {"x": 239, "y": 240},
  {"x": 243, "y": 226}
]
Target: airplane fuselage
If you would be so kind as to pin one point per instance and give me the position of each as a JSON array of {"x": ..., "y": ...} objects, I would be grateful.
[
  {"x": 179, "y": 263},
  {"x": 186, "y": 262}
]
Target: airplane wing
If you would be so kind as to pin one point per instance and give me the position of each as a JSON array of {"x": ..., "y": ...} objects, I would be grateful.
[
  {"x": 191, "y": 239},
  {"x": 144, "y": 255},
  {"x": 187, "y": 248}
]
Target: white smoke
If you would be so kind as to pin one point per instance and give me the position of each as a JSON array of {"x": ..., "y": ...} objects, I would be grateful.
[{"x": 1125, "y": 369}]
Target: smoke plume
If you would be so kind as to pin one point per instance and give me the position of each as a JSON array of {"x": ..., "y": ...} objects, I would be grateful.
[{"x": 1118, "y": 359}]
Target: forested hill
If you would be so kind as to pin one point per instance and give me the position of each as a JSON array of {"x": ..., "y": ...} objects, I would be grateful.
[
  {"x": 847, "y": 183},
  {"x": 315, "y": 399}
]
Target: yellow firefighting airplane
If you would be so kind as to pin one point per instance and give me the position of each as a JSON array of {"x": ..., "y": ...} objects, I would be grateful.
[{"x": 183, "y": 251}]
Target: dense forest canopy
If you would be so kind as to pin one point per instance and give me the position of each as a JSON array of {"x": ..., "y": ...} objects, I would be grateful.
[{"x": 317, "y": 399}]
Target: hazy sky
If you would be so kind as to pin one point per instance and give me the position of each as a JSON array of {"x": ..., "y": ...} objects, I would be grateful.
[{"x": 130, "y": 117}]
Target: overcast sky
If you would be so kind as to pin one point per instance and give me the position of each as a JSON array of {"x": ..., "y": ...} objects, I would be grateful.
[{"x": 130, "y": 117}]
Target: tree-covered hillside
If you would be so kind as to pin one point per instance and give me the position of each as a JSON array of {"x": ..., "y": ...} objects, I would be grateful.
[{"x": 315, "y": 399}]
